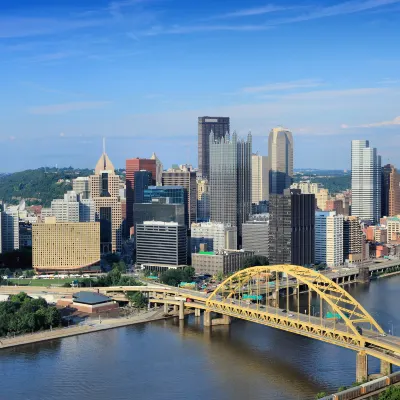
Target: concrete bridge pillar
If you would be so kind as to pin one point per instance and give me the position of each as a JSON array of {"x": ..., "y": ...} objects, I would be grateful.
[
  {"x": 197, "y": 312},
  {"x": 386, "y": 367},
  {"x": 181, "y": 310},
  {"x": 166, "y": 308},
  {"x": 176, "y": 308},
  {"x": 361, "y": 367},
  {"x": 363, "y": 275},
  {"x": 207, "y": 318}
]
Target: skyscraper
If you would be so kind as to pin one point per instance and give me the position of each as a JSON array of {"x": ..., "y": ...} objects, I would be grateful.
[
  {"x": 133, "y": 165},
  {"x": 292, "y": 228},
  {"x": 365, "y": 181},
  {"x": 280, "y": 156},
  {"x": 220, "y": 127},
  {"x": 223, "y": 179},
  {"x": 142, "y": 179},
  {"x": 352, "y": 240},
  {"x": 203, "y": 200},
  {"x": 9, "y": 229},
  {"x": 159, "y": 169},
  {"x": 390, "y": 193},
  {"x": 259, "y": 179},
  {"x": 187, "y": 179},
  {"x": 244, "y": 181}
]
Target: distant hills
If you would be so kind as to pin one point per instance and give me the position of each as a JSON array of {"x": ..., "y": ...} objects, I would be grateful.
[{"x": 39, "y": 186}]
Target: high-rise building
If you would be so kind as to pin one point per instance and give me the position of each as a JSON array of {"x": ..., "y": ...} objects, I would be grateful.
[
  {"x": 256, "y": 235},
  {"x": 223, "y": 179},
  {"x": 203, "y": 200},
  {"x": 244, "y": 180},
  {"x": 322, "y": 197},
  {"x": 390, "y": 192},
  {"x": 81, "y": 187},
  {"x": 142, "y": 179},
  {"x": 259, "y": 178},
  {"x": 292, "y": 228},
  {"x": 353, "y": 239},
  {"x": 9, "y": 229},
  {"x": 306, "y": 187},
  {"x": 104, "y": 187},
  {"x": 159, "y": 210},
  {"x": 65, "y": 246},
  {"x": 220, "y": 127},
  {"x": 393, "y": 228},
  {"x": 66, "y": 209},
  {"x": 365, "y": 181},
  {"x": 133, "y": 165},
  {"x": 187, "y": 179},
  {"x": 217, "y": 236},
  {"x": 159, "y": 169},
  {"x": 161, "y": 245},
  {"x": 280, "y": 156},
  {"x": 87, "y": 210},
  {"x": 328, "y": 238}
]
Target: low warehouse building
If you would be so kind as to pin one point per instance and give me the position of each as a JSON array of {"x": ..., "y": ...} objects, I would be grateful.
[{"x": 88, "y": 302}]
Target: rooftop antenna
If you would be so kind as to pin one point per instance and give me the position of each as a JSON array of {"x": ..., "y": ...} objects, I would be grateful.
[{"x": 104, "y": 152}]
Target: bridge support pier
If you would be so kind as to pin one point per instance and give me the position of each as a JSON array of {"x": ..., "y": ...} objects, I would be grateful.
[
  {"x": 181, "y": 310},
  {"x": 197, "y": 312},
  {"x": 386, "y": 368},
  {"x": 361, "y": 367},
  {"x": 176, "y": 308},
  {"x": 208, "y": 321},
  {"x": 166, "y": 308},
  {"x": 207, "y": 318}
]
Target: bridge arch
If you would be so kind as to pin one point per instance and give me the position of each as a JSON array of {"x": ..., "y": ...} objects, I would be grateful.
[{"x": 338, "y": 299}]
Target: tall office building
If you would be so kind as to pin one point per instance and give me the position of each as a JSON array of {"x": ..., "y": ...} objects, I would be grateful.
[
  {"x": 220, "y": 127},
  {"x": 203, "y": 200},
  {"x": 259, "y": 178},
  {"x": 187, "y": 179},
  {"x": 133, "y": 165},
  {"x": 292, "y": 228},
  {"x": 328, "y": 238},
  {"x": 161, "y": 245},
  {"x": 87, "y": 210},
  {"x": 353, "y": 239},
  {"x": 306, "y": 187},
  {"x": 217, "y": 236},
  {"x": 142, "y": 179},
  {"x": 280, "y": 156},
  {"x": 223, "y": 179},
  {"x": 244, "y": 181},
  {"x": 159, "y": 169},
  {"x": 256, "y": 235},
  {"x": 66, "y": 209},
  {"x": 81, "y": 187},
  {"x": 65, "y": 246},
  {"x": 390, "y": 192},
  {"x": 365, "y": 181},
  {"x": 104, "y": 187},
  {"x": 9, "y": 229}
]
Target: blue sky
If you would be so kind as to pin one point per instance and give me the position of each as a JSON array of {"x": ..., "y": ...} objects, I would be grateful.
[{"x": 140, "y": 72}]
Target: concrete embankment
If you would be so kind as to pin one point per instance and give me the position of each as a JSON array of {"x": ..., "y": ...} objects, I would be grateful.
[
  {"x": 389, "y": 274},
  {"x": 95, "y": 326}
]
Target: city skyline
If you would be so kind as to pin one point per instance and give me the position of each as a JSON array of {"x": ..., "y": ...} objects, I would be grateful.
[{"x": 81, "y": 71}]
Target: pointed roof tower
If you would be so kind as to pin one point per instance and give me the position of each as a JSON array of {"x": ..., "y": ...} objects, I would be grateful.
[{"x": 104, "y": 163}]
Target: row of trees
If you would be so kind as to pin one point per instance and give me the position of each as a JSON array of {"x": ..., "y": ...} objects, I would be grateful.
[
  {"x": 22, "y": 314},
  {"x": 174, "y": 277}
]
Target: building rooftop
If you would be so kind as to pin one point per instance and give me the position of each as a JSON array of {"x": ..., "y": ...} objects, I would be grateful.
[
  {"x": 90, "y": 298},
  {"x": 165, "y": 187},
  {"x": 160, "y": 223}
]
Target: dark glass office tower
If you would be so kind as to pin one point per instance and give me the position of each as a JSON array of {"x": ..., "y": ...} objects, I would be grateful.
[
  {"x": 143, "y": 179},
  {"x": 220, "y": 127}
]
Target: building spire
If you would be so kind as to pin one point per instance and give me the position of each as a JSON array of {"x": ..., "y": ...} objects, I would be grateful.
[{"x": 104, "y": 145}]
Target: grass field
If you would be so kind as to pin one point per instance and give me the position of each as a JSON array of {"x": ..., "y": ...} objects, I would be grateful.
[{"x": 40, "y": 282}]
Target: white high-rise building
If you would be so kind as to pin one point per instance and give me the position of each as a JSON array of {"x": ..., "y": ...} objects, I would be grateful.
[
  {"x": 159, "y": 169},
  {"x": 81, "y": 187},
  {"x": 217, "y": 236},
  {"x": 328, "y": 238},
  {"x": 9, "y": 229},
  {"x": 306, "y": 187},
  {"x": 66, "y": 209},
  {"x": 259, "y": 178},
  {"x": 365, "y": 181}
]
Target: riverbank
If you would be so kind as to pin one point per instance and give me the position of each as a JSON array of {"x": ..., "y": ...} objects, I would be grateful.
[
  {"x": 389, "y": 274},
  {"x": 87, "y": 327}
]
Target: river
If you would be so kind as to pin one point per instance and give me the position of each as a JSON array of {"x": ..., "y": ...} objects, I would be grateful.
[{"x": 169, "y": 360}]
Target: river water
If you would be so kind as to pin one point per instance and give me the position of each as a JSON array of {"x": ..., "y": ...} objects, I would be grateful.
[{"x": 174, "y": 360}]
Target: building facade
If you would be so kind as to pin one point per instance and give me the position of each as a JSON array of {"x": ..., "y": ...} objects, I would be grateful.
[
  {"x": 223, "y": 179},
  {"x": 306, "y": 187},
  {"x": 65, "y": 246},
  {"x": 365, "y": 181},
  {"x": 187, "y": 179},
  {"x": 259, "y": 178},
  {"x": 66, "y": 209},
  {"x": 280, "y": 156},
  {"x": 220, "y": 127},
  {"x": 142, "y": 179},
  {"x": 9, "y": 231},
  {"x": 256, "y": 236},
  {"x": 353, "y": 239},
  {"x": 390, "y": 191},
  {"x": 203, "y": 200},
  {"x": 292, "y": 228},
  {"x": 133, "y": 165},
  {"x": 161, "y": 244},
  {"x": 217, "y": 236},
  {"x": 225, "y": 261},
  {"x": 81, "y": 187},
  {"x": 159, "y": 169}
]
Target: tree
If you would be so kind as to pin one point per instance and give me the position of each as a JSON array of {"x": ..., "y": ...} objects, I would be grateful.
[
  {"x": 172, "y": 277},
  {"x": 188, "y": 274},
  {"x": 320, "y": 395},
  {"x": 391, "y": 393},
  {"x": 255, "y": 261},
  {"x": 137, "y": 299},
  {"x": 146, "y": 272},
  {"x": 220, "y": 276}
]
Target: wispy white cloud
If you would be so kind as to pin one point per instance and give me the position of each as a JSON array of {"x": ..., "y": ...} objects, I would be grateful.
[
  {"x": 281, "y": 86},
  {"x": 339, "y": 93},
  {"x": 395, "y": 121},
  {"x": 248, "y": 12},
  {"x": 67, "y": 107},
  {"x": 46, "y": 89}
]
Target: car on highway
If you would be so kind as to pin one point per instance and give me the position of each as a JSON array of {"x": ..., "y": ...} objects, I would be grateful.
[
  {"x": 290, "y": 315},
  {"x": 284, "y": 311}
]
